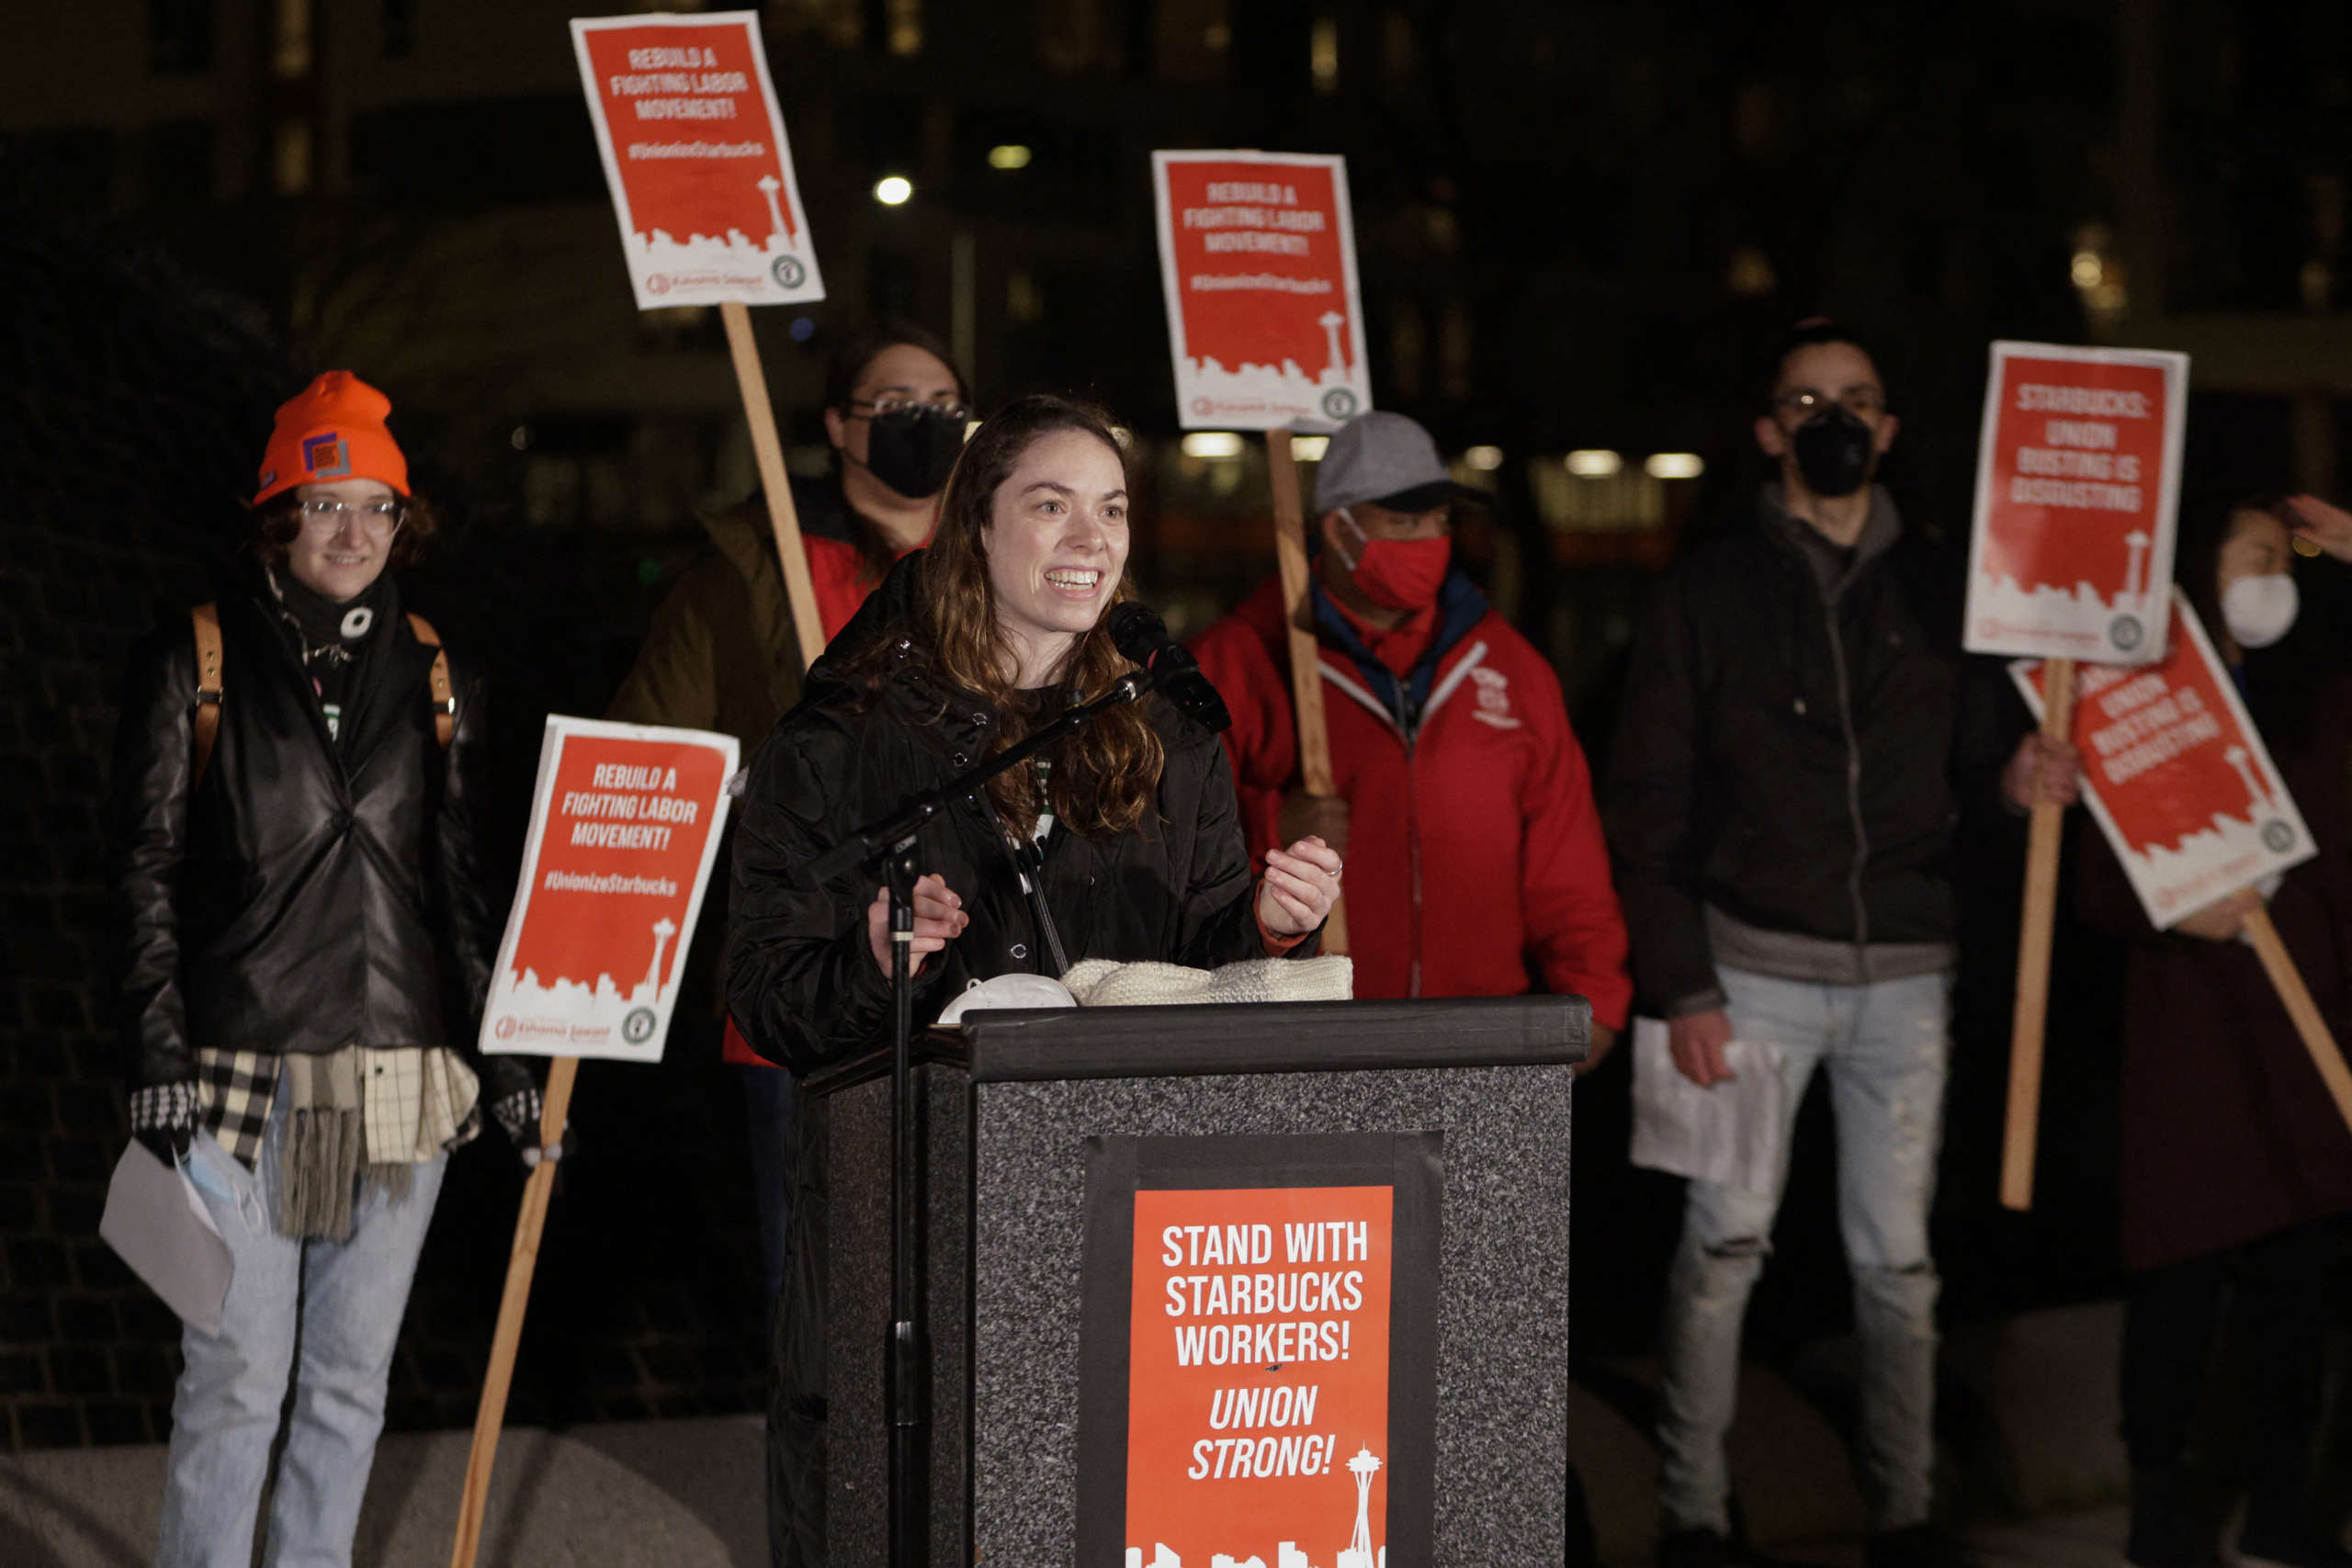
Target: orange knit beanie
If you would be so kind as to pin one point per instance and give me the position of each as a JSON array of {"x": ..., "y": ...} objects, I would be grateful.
[{"x": 333, "y": 429}]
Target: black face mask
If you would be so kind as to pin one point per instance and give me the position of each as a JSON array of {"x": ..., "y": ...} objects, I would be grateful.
[
  {"x": 912, "y": 450},
  {"x": 1834, "y": 452}
]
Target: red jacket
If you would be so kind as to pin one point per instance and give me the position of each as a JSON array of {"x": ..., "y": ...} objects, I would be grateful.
[{"x": 1475, "y": 864}]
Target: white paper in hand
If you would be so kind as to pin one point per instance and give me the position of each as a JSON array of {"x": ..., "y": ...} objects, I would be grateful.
[
  {"x": 1729, "y": 1134},
  {"x": 156, "y": 1221}
]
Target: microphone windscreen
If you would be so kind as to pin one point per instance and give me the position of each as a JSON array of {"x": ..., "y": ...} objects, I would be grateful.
[{"x": 1137, "y": 631}]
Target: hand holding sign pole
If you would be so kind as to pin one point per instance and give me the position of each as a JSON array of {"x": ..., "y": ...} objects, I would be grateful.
[
  {"x": 1258, "y": 264},
  {"x": 625, "y": 829},
  {"x": 2185, "y": 792},
  {"x": 2077, "y": 485}
]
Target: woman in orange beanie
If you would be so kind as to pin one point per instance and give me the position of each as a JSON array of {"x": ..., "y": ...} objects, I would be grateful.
[{"x": 307, "y": 938}]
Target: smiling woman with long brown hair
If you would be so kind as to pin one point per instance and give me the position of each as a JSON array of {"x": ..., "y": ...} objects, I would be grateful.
[
  {"x": 1129, "y": 832},
  {"x": 962, "y": 651}
]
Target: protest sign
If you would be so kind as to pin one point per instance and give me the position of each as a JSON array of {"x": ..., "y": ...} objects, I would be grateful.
[
  {"x": 2070, "y": 557},
  {"x": 1258, "y": 1375},
  {"x": 2177, "y": 776},
  {"x": 2077, "y": 484},
  {"x": 625, "y": 825},
  {"x": 1257, "y": 259},
  {"x": 1258, "y": 262},
  {"x": 1257, "y": 1358},
  {"x": 695, "y": 158},
  {"x": 624, "y": 828}
]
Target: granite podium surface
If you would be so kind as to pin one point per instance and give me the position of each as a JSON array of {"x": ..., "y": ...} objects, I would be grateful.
[{"x": 1028, "y": 1117}]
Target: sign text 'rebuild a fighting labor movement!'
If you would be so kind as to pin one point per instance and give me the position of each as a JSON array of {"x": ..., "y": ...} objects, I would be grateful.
[
  {"x": 1257, "y": 258},
  {"x": 625, "y": 826},
  {"x": 696, "y": 160}
]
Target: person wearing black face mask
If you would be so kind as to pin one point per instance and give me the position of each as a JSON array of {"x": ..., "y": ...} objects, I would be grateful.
[
  {"x": 722, "y": 652},
  {"x": 1799, "y": 731}
]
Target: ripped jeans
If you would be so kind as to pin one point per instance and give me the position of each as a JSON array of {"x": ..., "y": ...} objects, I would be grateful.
[{"x": 1885, "y": 1047}]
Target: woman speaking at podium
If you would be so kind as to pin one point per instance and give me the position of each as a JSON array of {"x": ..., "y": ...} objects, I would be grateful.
[
  {"x": 964, "y": 649},
  {"x": 1129, "y": 828}
]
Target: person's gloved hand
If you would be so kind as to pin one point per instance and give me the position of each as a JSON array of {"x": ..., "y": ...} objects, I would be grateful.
[
  {"x": 164, "y": 1117},
  {"x": 520, "y": 1114}
]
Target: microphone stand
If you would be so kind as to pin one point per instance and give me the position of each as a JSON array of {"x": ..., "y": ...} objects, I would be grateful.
[{"x": 906, "y": 1386}]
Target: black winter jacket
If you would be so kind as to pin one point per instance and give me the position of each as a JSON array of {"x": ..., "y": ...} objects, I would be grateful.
[
  {"x": 802, "y": 982},
  {"x": 302, "y": 897},
  {"x": 1793, "y": 754}
]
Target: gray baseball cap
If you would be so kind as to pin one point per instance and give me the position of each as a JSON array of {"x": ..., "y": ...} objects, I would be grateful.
[{"x": 1387, "y": 460}]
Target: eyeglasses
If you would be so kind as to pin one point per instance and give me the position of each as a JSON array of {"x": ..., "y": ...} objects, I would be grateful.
[
  {"x": 883, "y": 408},
  {"x": 1806, "y": 402},
  {"x": 323, "y": 517}
]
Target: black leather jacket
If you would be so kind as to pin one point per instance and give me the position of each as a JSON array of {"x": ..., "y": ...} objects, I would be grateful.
[
  {"x": 801, "y": 981},
  {"x": 299, "y": 899}
]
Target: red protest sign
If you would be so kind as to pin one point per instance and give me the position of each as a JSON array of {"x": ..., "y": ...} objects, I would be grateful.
[
  {"x": 695, "y": 158},
  {"x": 2077, "y": 484},
  {"x": 624, "y": 828},
  {"x": 1257, "y": 1377},
  {"x": 1258, "y": 261},
  {"x": 2177, "y": 776}
]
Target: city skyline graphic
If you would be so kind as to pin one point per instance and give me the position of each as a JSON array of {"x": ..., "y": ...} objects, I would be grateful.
[{"x": 1359, "y": 1553}]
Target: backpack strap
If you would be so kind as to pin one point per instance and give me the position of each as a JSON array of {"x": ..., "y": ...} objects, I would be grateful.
[
  {"x": 206, "y": 619},
  {"x": 445, "y": 701}
]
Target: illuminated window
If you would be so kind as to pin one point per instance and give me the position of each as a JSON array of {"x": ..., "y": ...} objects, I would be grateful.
[
  {"x": 1323, "y": 54},
  {"x": 902, "y": 26},
  {"x": 1022, "y": 300},
  {"x": 290, "y": 51},
  {"x": 1593, "y": 491},
  {"x": 290, "y": 157}
]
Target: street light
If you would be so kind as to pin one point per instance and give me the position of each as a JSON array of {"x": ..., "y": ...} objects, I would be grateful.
[
  {"x": 893, "y": 190},
  {"x": 1212, "y": 444},
  {"x": 1595, "y": 463},
  {"x": 1674, "y": 465},
  {"x": 1011, "y": 155},
  {"x": 1486, "y": 459}
]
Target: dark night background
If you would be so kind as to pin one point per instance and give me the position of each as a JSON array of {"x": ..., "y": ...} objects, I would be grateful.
[{"x": 1578, "y": 223}]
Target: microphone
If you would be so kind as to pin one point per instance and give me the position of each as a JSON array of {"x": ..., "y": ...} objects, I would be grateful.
[{"x": 1137, "y": 631}]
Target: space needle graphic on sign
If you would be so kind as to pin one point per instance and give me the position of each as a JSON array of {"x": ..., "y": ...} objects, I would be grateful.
[{"x": 1358, "y": 1553}]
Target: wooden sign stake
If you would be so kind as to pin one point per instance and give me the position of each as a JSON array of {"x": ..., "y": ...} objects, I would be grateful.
[
  {"x": 2318, "y": 1039},
  {"x": 1305, "y": 676},
  {"x": 2034, "y": 957},
  {"x": 768, "y": 452},
  {"x": 503, "y": 1345}
]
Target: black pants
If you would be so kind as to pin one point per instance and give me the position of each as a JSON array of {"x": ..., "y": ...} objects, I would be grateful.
[{"x": 2170, "y": 1317}]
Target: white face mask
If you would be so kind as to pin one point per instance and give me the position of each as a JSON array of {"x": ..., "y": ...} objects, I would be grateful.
[{"x": 2259, "y": 610}]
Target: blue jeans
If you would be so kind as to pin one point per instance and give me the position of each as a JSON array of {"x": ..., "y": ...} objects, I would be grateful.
[
  {"x": 767, "y": 1104},
  {"x": 1884, "y": 1047},
  {"x": 341, "y": 1301}
]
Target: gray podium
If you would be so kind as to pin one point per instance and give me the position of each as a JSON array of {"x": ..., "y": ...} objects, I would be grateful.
[{"x": 1042, "y": 1127}]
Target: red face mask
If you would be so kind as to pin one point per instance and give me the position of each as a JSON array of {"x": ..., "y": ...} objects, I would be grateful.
[{"x": 1400, "y": 574}]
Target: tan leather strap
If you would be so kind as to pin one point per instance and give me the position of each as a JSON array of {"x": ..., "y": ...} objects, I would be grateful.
[
  {"x": 207, "y": 618},
  {"x": 445, "y": 701}
]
